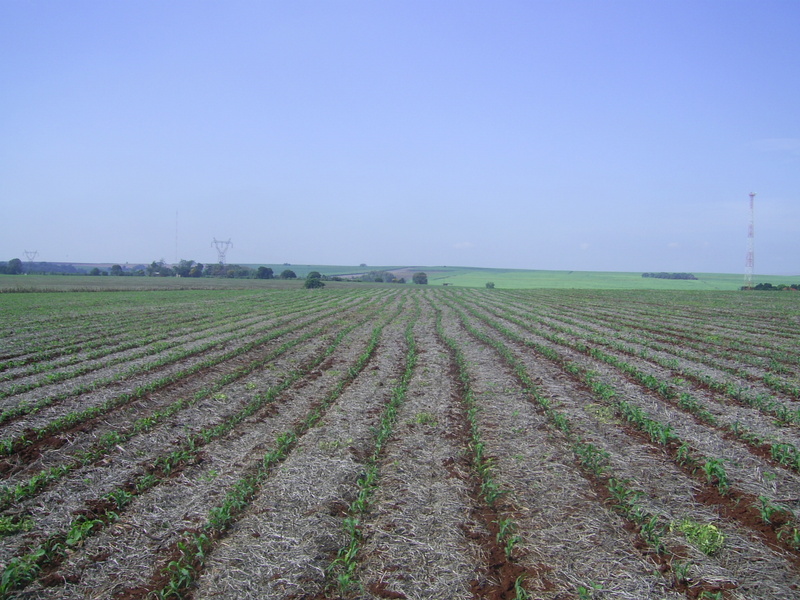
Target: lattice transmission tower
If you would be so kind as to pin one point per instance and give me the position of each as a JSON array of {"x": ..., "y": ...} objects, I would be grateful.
[
  {"x": 222, "y": 248},
  {"x": 31, "y": 256},
  {"x": 749, "y": 260}
]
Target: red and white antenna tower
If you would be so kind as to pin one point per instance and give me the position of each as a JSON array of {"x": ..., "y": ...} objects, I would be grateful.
[{"x": 748, "y": 261}]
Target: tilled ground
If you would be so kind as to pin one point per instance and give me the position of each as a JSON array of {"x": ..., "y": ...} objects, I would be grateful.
[{"x": 470, "y": 416}]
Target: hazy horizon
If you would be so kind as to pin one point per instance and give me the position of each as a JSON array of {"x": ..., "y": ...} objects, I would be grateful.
[
  {"x": 400, "y": 267},
  {"x": 573, "y": 135}
]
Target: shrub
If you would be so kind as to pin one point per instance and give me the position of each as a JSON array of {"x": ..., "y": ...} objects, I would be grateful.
[
  {"x": 313, "y": 282},
  {"x": 264, "y": 273},
  {"x": 288, "y": 274},
  {"x": 420, "y": 278}
]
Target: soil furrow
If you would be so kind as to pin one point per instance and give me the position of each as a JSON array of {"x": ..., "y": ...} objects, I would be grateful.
[
  {"x": 564, "y": 525},
  {"x": 182, "y": 499}
]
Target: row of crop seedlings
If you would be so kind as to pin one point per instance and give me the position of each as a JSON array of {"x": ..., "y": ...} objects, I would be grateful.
[
  {"x": 676, "y": 321},
  {"x": 711, "y": 470},
  {"x": 53, "y": 336},
  {"x": 784, "y": 413},
  {"x": 284, "y": 326},
  {"x": 231, "y": 325},
  {"x": 652, "y": 527},
  {"x": 143, "y": 337},
  {"x": 96, "y": 331},
  {"x": 739, "y": 316},
  {"x": 108, "y": 442},
  {"x": 776, "y": 361},
  {"x": 785, "y": 454},
  {"x": 729, "y": 346},
  {"x": 195, "y": 546},
  {"x": 505, "y": 527},
  {"x": 108, "y": 342},
  {"x": 342, "y": 571},
  {"x": 111, "y": 334},
  {"x": 51, "y": 551}
]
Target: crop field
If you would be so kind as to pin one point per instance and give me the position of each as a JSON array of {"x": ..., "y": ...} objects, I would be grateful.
[
  {"x": 400, "y": 442},
  {"x": 437, "y": 276}
]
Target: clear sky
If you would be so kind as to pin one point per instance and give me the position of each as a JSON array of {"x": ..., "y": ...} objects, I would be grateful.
[{"x": 544, "y": 134}]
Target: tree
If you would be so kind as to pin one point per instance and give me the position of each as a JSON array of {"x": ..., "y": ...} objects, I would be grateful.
[
  {"x": 314, "y": 282},
  {"x": 420, "y": 278},
  {"x": 288, "y": 274},
  {"x": 158, "y": 269},
  {"x": 314, "y": 275},
  {"x": 264, "y": 273},
  {"x": 184, "y": 268},
  {"x": 238, "y": 271},
  {"x": 116, "y": 270},
  {"x": 214, "y": 270},
  {"x": 14, "y": 266},
  {"x": 490, "y": 285},
  {"x": 94, "y": 272}
]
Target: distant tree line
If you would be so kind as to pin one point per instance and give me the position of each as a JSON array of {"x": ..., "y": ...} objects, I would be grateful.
[
  {"x": 379, "y": 277},
  {"x": 185, "y": 268},
  {"x": 190, "y": 268},
  {"x": 669, "y": 275},
  {"x": 15, "y": 266},
  {"x": 781, "y": 287},
  {"x": 388, "y": 277}
]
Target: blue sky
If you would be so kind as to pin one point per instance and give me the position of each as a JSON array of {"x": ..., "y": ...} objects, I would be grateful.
[{"x": 583, "y": 135}]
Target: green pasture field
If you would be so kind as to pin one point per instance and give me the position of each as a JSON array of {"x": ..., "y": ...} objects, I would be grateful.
[
  {"x": 437, "y": 275},
  {"x": 611, "y": 280},
  {"x": 532, "y": 279}
]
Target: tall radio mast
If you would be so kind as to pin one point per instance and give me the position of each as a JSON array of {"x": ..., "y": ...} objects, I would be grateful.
[{"x": 749, "y": 260}]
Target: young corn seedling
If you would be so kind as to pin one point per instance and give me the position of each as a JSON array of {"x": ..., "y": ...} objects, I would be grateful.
[
  {"x": 681, "y": 570},
  {"x": 791, "y": 535},
  {"x": 592, "y": 458},
  {"x": 625, "y": 497},
  {"x": 12, "y": 525},
  {"x": 771, "y": 513},
  {"x": 715, "y": 473},
  {"x": 520, "y": 593}
]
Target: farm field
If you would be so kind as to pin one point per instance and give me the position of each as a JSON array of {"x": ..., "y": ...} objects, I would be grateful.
[
  {"x": 421, "y": 442},
  {"x": 437, "y": 276}
]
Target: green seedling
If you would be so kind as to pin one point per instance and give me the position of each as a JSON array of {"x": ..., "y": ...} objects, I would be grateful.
[
  {"x": 772, "y": 513},
  {"x": 705, "y": 536},
  {"x": 520, "y": 593},
  {"x": 425, "y": 418},
  {"x": 715, "y": 473},
  {"x": 12, "y": 525}
]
